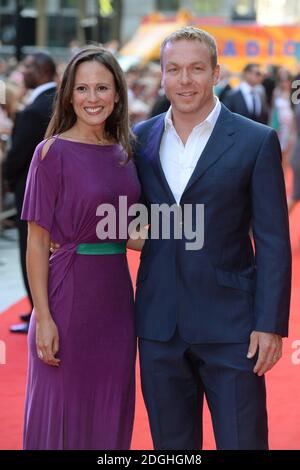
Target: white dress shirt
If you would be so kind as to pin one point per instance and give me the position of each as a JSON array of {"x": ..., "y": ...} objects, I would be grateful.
[
  {"x": 178, "y": 161},
  {"x": 249, "y": 92}
]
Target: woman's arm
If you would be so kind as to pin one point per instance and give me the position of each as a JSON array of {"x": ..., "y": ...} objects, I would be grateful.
[{"x": 37, "y": 260}]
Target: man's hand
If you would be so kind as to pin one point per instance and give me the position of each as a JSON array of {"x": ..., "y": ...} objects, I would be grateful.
[
  {"x": 269, "y": 347},
  {"x": 54, "y": 246}
]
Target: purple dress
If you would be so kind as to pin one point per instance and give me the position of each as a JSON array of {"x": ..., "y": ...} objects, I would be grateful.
[{"x": 88, "y": 401}]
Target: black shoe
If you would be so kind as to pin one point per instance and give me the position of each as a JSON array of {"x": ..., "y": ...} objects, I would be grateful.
[
  {"x": 19, "y": 328},
  {"x": 25, "y": 317}
]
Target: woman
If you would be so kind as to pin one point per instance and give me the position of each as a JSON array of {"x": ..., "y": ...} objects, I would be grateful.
[
  {"x": 80, "y": 389},
  {"x": 295, "y": 165},
  {"x": 283, "y": 119}
]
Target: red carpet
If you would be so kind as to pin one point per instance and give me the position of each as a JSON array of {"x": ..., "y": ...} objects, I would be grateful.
[{"x": 283, "y": 382}]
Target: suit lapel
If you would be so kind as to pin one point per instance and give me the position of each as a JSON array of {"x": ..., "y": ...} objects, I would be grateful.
[
  {"x": 152, "y": 149},
  {"x": 219, "y": 142}
]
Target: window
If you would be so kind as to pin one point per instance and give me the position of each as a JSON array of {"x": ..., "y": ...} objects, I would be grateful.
[
  {"x": 7, "y": 29},
  {"x": 167, "y": 5},
  {"x": 69, "y": 4},
  {"x": 29, "y": 4},
  {"x": 244, "y": 10},
  {"x": 61, "y": 30},
  {"x": 209, "y": 7}
]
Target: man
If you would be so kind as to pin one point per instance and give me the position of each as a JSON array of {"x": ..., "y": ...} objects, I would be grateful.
[
  {"x": 29, "y": 129},
  {"x": 210, "y": 321},
  {"x": 249, "y": 98}
]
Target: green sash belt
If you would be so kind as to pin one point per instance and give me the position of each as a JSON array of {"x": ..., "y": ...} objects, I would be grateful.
[{"x": 114, "y": 248}]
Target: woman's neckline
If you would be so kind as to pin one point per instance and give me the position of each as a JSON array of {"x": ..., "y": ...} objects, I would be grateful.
[{"x": 85, "y": 143}]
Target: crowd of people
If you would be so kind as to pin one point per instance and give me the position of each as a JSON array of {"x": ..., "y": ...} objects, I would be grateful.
[{"x": 270, "y": 88}]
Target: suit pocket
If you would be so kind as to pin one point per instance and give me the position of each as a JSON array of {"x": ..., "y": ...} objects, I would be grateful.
[{"x": 235, "y": 280}]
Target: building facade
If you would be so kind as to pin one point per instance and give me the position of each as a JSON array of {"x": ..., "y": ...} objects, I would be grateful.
[{"x": 56, "y": 23}]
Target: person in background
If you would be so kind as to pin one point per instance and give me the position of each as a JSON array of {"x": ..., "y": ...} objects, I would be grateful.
[
  {"x": 269, "y": 82},
  {"x": 8, "y": 110},
  {"x": 282, "y": 114},
  {"x": 249, "y": 98},
  {"x": 30, "y": 125},
  {"x": 295, "y": 164}
]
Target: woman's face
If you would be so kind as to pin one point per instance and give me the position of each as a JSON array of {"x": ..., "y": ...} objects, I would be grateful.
[{"x": 94, "y": 94}]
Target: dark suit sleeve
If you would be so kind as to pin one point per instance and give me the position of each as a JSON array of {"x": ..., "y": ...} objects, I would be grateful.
[
  {"x": 272, "y": 242},
  {"x": 136, "y": 149},
  {"x": 27, "y": 133}
]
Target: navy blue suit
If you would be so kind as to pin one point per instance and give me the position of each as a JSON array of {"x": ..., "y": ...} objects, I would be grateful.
[
  {"x": 196, "y": 310},
  {"x": 235, "y": 101}
]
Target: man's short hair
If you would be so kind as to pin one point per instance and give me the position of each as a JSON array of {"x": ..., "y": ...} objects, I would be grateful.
[
  {"x": 250, "y": 67},
  {"x": 45, "y": 63},
  {"x": 189, "y": 33}
]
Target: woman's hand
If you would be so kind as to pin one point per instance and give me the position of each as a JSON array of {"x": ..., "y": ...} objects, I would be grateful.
[
  {"x": 137, "y": 239},
  {"x": 47, "y": 341}
]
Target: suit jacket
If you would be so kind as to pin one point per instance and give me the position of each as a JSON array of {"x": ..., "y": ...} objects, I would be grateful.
[
  {"x": 222, "y": 292},
  {"x": 161, "y": 105},
  {"x": 29, "y": 129},
  {"x": 224, "y": 92},
  {"x": 235, "y": 101}
]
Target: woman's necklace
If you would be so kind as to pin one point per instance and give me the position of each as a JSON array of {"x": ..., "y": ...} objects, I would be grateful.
[{"x": 100, "y": 141}]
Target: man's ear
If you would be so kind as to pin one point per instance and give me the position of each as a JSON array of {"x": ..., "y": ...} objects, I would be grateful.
[
  {"x": 162, "y": 81},
  {"x": 216, "y": 74}
]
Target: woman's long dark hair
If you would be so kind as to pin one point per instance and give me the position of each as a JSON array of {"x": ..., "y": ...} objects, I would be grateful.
[{"x": 117, "y": 124}]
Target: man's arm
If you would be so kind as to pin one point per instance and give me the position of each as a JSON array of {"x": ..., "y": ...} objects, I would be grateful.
[{"x": 272, "y": 254}]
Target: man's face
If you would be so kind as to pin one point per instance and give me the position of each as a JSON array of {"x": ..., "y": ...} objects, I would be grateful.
[
  {"x": 188, "y": 77},
  {"x": 31, "y": 73},
  {"x": 254, "y": 76}
]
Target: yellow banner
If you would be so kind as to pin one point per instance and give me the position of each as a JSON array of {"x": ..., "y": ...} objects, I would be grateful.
[
  {"x": 241, "y": 44},
  {"x": 237, "y": 44}
]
